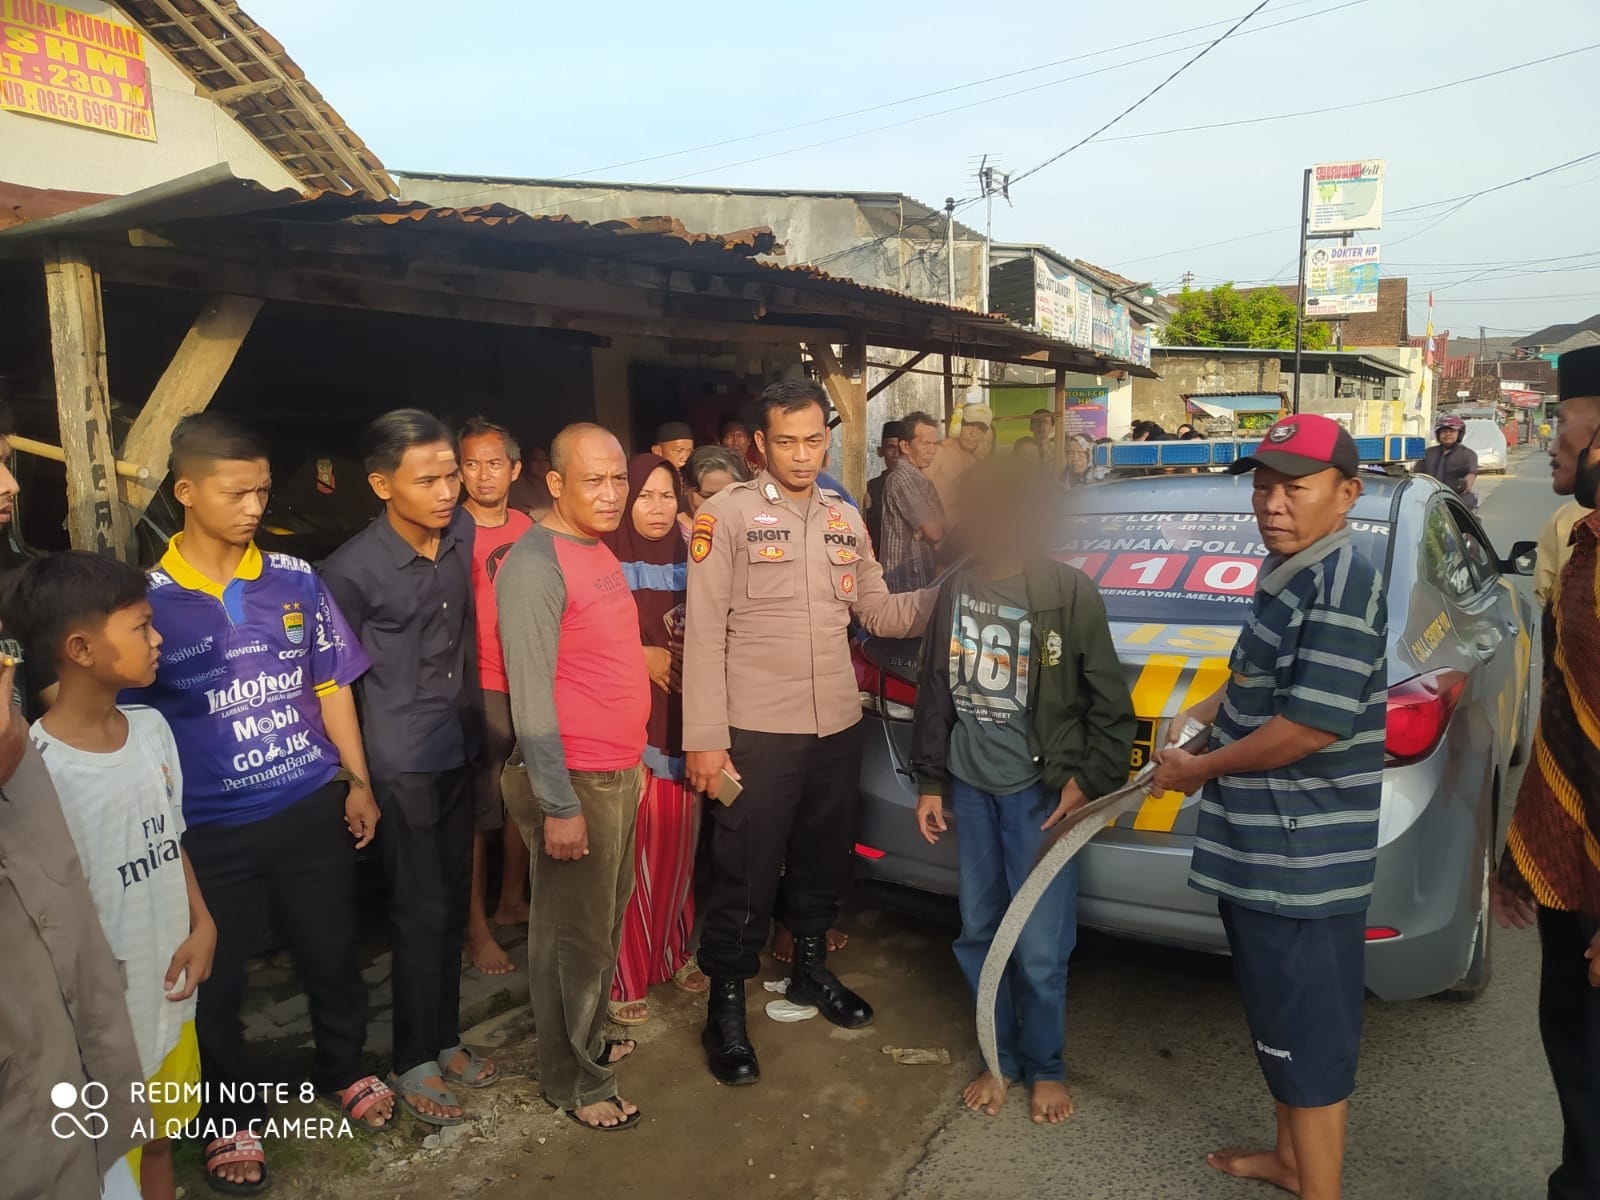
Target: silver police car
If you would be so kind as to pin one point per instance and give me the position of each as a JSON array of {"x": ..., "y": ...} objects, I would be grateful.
[{"x": 1176, "y": 558}]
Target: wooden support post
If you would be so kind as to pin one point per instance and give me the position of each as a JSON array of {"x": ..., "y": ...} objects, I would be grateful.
[
  {"x": 949, "y": 396},
  {"x": 849, "y": 398},
  {"x": 96, "y": 519},
  {"x": 1061, "y": 418},
  {"x": 186, "y": 386}
]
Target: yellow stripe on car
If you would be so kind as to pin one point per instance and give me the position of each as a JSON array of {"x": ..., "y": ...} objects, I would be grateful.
[
  {"x": 1160, "y": 813},
  {"x": 1154, "y": 687}
]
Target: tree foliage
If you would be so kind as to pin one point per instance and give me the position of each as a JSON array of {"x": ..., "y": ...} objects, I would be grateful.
[{"x": 1256, "y": 318}]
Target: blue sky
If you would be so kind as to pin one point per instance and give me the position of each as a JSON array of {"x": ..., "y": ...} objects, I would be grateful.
[{"x": 619, "y": 91}]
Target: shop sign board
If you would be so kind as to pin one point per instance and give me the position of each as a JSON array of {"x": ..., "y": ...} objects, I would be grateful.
[
  {"x": 64, "y": 65},
  {"x": 1055, "y": 300},
  {"x": 1345, "y": 197},
  {"x": 1341, "y": 280}
]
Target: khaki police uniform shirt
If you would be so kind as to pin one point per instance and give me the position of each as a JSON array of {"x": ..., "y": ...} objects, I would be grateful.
[{"x": 772, "y": 585}]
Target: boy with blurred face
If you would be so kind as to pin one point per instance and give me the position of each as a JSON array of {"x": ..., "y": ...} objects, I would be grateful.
[
  {"x": 255, "y": 682},
  {"x": 1023, "y": 714},
  {"x": 1550, "y": 872},
  {"x": 405, "y": 582},
  {"x": 580, "y": 701},
  {"x": 1293, "y": 774},
  {"x": 490, "y": 464}
]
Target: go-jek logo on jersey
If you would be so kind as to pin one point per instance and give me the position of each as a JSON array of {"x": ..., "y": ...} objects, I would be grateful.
[{"x": 265, "y": 688}]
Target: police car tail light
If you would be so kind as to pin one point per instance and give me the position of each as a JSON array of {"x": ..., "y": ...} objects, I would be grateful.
[
  {"x": 883, "y": 693},
  {"x": 1419, "y": 711}
]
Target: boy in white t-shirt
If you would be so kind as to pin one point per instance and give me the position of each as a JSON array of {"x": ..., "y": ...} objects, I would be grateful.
[{"x": 116, "y": 771}]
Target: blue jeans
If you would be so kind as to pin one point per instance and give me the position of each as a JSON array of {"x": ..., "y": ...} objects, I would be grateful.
[{"x": 998, "y": 838}]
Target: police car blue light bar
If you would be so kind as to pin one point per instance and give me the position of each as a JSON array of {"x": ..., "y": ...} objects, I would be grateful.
[{"x": 1203, "y": 452}]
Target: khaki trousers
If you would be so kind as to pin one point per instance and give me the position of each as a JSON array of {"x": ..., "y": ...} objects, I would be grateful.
[{"x": 577, "y": 928}]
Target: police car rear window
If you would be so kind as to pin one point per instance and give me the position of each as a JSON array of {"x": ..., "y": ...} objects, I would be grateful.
[{"x": 1174, "y": 566}]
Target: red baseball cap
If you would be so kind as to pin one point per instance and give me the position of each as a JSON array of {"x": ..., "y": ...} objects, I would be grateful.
[{"x": 1303, "y": 445}]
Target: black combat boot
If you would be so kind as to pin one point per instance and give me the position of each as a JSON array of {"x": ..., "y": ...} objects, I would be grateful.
[
  {"x": 729, "y": 1054},
  {"x": 813, "y": 983}
]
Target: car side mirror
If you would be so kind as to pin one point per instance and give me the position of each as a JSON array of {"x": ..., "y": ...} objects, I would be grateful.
[{"x": 1521, "y": 560}]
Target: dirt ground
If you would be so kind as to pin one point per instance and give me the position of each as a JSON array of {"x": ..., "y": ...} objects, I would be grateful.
[{"x": 833, "y": 1118}]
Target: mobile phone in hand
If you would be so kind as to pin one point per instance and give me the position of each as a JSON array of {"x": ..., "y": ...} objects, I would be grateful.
[{"x": 728, "y": 789}]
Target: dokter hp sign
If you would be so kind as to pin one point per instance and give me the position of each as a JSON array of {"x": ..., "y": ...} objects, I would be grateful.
[{"x": 64, "y": 65}]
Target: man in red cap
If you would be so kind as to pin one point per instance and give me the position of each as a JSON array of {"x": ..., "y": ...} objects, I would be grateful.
[
  {"x": 1550, "y": 872},
  {"x": 1288, "y": 831}
]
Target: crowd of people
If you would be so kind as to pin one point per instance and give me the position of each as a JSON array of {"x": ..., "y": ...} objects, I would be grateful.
[{"x": 629, "y": 661}]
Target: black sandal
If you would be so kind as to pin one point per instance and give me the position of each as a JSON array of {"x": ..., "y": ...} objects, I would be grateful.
[
  {"x": 607, "y": 1060},
  {"x": 628, "y": 1121}
]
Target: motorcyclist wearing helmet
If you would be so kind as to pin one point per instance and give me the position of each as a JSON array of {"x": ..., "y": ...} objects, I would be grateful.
[{"x": 1449, "y": 461}]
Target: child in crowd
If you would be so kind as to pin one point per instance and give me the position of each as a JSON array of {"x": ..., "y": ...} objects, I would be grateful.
[
  {"x": 117, "y": 774},
  {"x": 1023, "y": 715}
]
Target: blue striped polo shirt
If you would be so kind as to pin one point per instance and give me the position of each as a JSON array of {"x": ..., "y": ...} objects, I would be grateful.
[{"x": 1301, "y": 840}]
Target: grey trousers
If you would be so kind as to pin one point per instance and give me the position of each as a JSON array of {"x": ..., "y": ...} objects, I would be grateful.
[{"x": 572, "y": 950}]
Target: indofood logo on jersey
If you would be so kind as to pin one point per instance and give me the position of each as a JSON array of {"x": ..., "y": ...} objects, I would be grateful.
[
  {"x": 265, "y": 688},
  {"x": 294, "y": 624}
]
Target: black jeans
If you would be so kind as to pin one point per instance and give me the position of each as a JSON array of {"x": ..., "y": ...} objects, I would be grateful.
[
  {"x": 788, "y": 835},
  {"x": 1569, "y": 1023},
  {"x": 299, "y": 867},
  {"x": 425, "y": 838}
]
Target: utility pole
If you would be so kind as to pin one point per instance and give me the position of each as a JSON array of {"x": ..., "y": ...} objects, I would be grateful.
[
  {"x": 1300, "y": 291},
  {"x": 1188, "y": 280},
  {"x": 1483, "y": 345},
  {"x": 950, "y": 248}
]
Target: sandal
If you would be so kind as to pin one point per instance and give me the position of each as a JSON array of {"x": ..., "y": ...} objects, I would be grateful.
[
  {"x": 683, "y": 975},
  {"x": 243, "y": 1146},
  {"x": 411, "y": 1084},
  {"x": 605, "y": 1055},
  {"x": 480, "y": 1072},
  {"x": 627, "y": 1122},
  {"x": 359, "y": 1098},
  {"x": 614, "y": 1011}
]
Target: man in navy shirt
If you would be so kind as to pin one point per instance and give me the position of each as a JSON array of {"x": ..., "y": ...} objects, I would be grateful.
[
  {"x": 1288, "y": 831},
  {"x": 405, "y": 582}
]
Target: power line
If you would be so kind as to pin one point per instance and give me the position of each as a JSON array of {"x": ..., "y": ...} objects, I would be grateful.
[
  {"x": 944, "y": 91},
  {"x": 1467, "y": 198},
  {"x": 462, "y": 198},
  {"x": 1225, "y": 35},
  {"x": 1317, "y": 112}
]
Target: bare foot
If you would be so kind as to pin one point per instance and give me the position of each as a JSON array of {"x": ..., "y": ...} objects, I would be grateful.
[
  {"x": 511, "y": 913},
  {"x": 487, "y": 954},
  {"x": 1257, "y": 1164},
  {"x": 783, "y": 943},
  {"x": 604, "y": 1114},
  {"x": 985, "y": 1094},
  {"x": 1049, "y": 1102},
  {"x": 432, "y": 1107}
]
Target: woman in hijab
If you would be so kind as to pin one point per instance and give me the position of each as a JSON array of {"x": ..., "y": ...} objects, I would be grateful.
[{"x": 656, "y": 925}]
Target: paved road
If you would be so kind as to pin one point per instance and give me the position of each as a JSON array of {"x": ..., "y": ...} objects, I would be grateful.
[{"x": 1454, "y": 1102}]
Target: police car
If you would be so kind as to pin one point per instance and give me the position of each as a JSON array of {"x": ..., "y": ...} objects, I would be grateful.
[{"x": 1175, "y": 552}]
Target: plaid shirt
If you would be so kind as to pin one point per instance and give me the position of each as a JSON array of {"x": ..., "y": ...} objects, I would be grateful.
[{"x": 909, "y": 503}]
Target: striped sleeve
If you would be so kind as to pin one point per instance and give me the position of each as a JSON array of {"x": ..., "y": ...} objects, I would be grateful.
[{"x": 1339, "y": 649}]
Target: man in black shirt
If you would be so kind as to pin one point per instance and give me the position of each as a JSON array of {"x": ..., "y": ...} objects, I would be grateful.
[
  {"x": 1450, "y": 462},
  {"x": 889, "y": 451},
  {"x": 405, "y": 585}
]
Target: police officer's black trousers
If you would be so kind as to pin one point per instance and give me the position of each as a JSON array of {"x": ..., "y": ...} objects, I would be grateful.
[
  {"x": 792, "y": 829},
  {"x": 1569, "y": 1021}
]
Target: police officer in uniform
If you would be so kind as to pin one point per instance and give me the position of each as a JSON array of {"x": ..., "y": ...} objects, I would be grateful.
[{"x": 776, "y": 568}]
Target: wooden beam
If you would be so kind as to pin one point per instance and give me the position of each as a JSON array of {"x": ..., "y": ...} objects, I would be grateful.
[
  {"x": 163, "y": 268},
  {"x": 949, "y": 394},
  {"x": 28, "y": 445},
  {"x": 96, "y": 519},
  {"x": 849, "y": 398},
  {"x": 186, "y": 386},
  {"x": 895, "y": 374}
]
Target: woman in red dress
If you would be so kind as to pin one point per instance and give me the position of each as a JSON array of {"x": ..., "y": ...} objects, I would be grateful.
[{"x": 660, "y": 916}]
